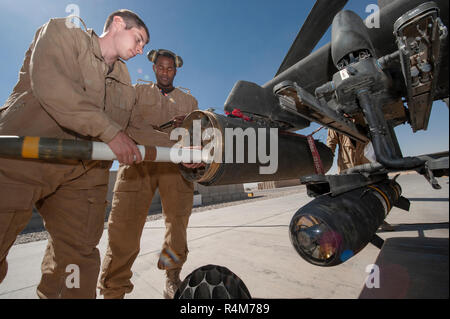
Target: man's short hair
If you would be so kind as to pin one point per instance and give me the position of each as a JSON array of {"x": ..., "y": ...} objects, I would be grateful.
[
  {"x": 167, "y": 55},
  {"x": 130, "y": 18},
  {"x": 153, "y": 56}
]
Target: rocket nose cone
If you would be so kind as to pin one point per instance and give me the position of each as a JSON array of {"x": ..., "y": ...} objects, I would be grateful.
[{"x": 313, "y": 239}]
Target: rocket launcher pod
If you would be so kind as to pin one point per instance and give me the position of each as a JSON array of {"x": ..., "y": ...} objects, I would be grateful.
[{"x": 245, "y": 152}]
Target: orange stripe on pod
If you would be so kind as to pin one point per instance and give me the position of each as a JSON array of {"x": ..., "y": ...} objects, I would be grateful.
[
  {"x": 384, "y": 196},
  {"x": 397, "y": 190},
  {"x": 30, "y": 147}
]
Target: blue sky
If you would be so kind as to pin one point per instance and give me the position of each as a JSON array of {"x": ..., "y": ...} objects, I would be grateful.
[{"x": 220, "y": 42}]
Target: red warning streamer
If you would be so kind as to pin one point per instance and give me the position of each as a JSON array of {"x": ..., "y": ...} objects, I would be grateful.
[{"x": 318, "y": 166}]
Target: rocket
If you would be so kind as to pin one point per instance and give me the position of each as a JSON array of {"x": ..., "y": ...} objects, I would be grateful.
[{"x": 60, "y": 149}]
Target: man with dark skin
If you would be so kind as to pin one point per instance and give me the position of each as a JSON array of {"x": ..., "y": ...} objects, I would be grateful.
[
  {"x": 165, "y": 72},
  {"x": 156, "y": 104}
]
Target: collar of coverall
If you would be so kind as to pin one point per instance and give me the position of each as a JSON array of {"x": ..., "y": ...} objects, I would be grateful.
[
  {"x": 95, "y": 44},
  {"x": 117, "y": 72},
  {"x": 165, "y": 91}
]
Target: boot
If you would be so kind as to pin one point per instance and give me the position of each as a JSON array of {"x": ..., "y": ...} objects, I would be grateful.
[{"x": 172, "y": 283}]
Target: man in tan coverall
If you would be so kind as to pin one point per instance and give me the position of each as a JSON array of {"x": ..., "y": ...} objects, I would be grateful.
[
  {"x": 135, "y": 186},
  {"x": 72, "y": 85},
  {"x": 350, "y": 154}
]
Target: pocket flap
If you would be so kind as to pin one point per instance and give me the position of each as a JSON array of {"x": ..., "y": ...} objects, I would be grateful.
[
  {"x": 128, "y": 179},
  {"x": 15, "y": 197}
]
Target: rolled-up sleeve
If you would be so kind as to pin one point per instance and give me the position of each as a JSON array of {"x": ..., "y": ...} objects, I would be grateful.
[{"x": 54, "y": 72}]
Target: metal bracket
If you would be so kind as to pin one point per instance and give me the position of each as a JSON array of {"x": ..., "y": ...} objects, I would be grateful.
[
  {"x": 337, "y": 184},
  {"x": 431, "y": 166},
  {"x": 296, "y": 100},
  {"x": 429, "y": 176}
]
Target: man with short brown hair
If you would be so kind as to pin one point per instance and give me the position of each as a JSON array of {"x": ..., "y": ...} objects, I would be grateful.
[
  {"x": 131, "y": 20},
  {"x": 73, "y": 85}
]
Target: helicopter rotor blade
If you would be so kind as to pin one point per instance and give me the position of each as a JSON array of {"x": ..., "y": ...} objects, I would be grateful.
[{"x": 316, "y": 24}]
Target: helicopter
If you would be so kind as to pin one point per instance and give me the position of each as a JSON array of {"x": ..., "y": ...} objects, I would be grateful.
[{"x": 362, "y": 84}]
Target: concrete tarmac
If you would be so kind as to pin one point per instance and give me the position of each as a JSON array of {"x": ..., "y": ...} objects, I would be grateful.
[{"x": 252, "y": 240}]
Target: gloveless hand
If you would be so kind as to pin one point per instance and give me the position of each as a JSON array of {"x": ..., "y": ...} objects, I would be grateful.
[{"x": 125, "y": 149}]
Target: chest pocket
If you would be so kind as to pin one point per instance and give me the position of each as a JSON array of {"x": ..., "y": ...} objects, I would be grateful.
[
  {"x": 173, "y": 106},
  {"x": 152, "y": 108},
  {"x": 183, "y": 104},
  {"x": 119, "y": 101},
  {"x": 92, "y": 75}
]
